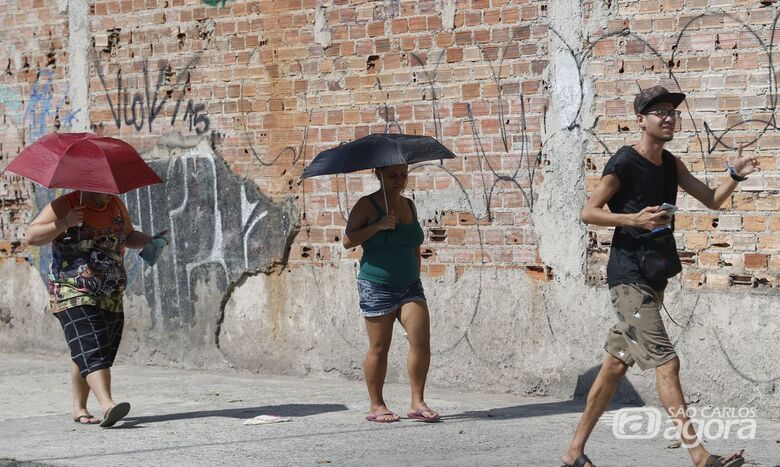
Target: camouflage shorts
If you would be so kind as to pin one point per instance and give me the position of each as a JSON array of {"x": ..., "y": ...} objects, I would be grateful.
[{"x": 639, "y": 335}]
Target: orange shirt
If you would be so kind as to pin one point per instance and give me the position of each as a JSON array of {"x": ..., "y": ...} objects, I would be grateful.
[{"x": 88, "y": 261}]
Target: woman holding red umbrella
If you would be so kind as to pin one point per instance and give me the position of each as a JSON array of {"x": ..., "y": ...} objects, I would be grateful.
[
  {"x": 88, "y": 231},
  {"x": 86, "y": 283}
]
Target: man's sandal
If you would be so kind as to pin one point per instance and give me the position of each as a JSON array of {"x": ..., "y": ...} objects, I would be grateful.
[
  {"x": 581, "y": 461},
  {"x": 717, "y": 461}
]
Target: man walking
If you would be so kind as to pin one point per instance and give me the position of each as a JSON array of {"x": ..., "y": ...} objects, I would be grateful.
[{"x": 639, "y": 184}]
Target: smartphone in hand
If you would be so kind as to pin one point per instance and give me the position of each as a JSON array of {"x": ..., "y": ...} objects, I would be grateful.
[{"x": 668, "y": 210}]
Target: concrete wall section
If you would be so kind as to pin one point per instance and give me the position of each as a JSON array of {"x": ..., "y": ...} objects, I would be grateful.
[{"x": 220, "y": 228}]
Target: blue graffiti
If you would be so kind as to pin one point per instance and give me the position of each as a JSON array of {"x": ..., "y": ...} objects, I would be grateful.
[
  {"x": 43, "y": 259},
  {"x": 40, "y": 107},
  {"x": 67, "y": 122}
]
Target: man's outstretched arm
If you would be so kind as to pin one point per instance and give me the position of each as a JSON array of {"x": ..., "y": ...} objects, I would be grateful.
[{"x": 714, "y": 198}]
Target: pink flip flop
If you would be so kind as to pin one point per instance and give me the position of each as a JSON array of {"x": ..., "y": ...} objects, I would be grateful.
[
  {"x": 377, "y": 417},
  {"x": 419, "y": 414}
]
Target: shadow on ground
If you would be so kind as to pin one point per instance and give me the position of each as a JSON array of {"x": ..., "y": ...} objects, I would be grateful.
[
  {"x": 283, "y": 410},
  {"x": 5, "y": 462},
  {"x": 625, "y": 395}
]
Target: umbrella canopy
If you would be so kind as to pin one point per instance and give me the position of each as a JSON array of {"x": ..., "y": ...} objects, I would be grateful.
[
  {"x": 83, "y": 161},
  {"x": 377, "y": 150}
]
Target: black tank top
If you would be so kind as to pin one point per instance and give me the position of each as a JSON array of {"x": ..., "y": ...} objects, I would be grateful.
[{"x": 642, "y": 184}]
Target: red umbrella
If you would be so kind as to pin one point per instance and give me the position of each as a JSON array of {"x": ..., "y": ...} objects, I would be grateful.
[{"x": 83, "y": 161}]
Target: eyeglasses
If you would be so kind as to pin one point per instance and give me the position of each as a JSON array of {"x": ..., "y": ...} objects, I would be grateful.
[{"x": 664, "y": 114}]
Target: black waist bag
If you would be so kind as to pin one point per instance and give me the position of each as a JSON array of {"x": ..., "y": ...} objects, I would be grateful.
[{"x": 658, "y": 258}]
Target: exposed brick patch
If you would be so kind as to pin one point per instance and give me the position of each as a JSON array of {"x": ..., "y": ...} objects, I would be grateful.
[{"x": 254, "y": 80}]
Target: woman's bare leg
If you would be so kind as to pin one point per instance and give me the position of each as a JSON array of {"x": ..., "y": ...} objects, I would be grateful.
[
  {"x": 80, "y": 394},
  {"x": 380, "y": 334},
  {"x": 416, "y": 320}
]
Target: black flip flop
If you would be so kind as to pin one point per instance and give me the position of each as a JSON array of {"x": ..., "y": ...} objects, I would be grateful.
[
  {"x": 581, "y": 461},
  {"x": 715, "y": 461},
  {"x": 114, "y": 414}
]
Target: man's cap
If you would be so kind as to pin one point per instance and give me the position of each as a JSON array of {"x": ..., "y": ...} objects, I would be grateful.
[{"x": 654, "y": 95}]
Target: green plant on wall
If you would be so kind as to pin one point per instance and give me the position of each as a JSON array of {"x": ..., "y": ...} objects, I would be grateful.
[{"x": 215, "y": 2}]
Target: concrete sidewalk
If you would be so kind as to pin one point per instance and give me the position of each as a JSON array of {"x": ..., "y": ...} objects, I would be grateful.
[{"x": 189, "y": 418}]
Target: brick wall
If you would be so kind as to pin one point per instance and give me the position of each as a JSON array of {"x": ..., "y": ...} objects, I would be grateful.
[
  {"x": 722, "y": 62},
  {"x": 33, "y": 101},
  {"x": 273, "y": 83},
  {"x": 276, "y": 87}
]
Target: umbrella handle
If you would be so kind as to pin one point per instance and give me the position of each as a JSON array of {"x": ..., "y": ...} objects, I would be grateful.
[
  {"x": 81, "y": 203},
  {"x": 78, "y": 232},
  {"x": 384, "y": 193}
]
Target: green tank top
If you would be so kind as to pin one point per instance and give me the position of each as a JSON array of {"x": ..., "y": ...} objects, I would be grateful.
[{"x": 390, "y": 256}]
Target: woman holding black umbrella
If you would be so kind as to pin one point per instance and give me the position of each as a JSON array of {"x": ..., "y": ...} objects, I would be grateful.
[{"x": 385, "y": 224}]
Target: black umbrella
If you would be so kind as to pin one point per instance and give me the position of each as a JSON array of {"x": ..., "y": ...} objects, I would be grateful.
[{"x": 377, "y": 151}]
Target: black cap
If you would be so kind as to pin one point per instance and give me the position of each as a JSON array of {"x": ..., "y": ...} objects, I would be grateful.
[{"x": 654, "y": 95}]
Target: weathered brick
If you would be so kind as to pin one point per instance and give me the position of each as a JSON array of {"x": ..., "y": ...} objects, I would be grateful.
[
  {"x": 695, "y": 241},
  {"x": 755, "y": 261}
]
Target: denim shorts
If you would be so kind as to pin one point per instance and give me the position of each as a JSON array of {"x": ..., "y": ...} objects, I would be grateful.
[{"x": 379, "y": 300}]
